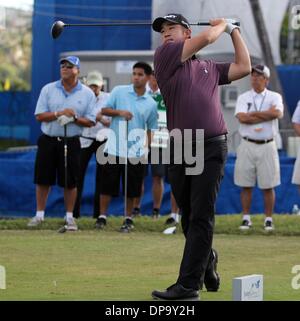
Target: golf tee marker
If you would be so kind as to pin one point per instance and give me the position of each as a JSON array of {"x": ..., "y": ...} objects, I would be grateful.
[
  {"x": 248, "y": 288},
  {"x": 2, "y": 278}
]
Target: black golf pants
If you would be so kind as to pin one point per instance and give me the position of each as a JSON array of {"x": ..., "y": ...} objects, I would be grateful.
[{"x": 196, "y": 196}]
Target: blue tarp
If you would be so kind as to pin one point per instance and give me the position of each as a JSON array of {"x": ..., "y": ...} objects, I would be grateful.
[
  {"x": 228, "y": 201},
  {"x": 14, "y": 115},
  {"x": 17, "y": 191},
  {"x": 289, "y": 77}
]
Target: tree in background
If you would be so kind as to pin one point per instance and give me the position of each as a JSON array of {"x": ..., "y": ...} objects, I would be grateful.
[{"x": 15, "y": 51}]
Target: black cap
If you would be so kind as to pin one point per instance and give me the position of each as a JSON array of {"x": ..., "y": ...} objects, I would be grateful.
[{"x": 175, "y": 18}]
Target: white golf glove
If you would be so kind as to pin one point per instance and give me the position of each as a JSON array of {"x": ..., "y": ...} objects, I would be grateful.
[
  {"x": 102, "y": 134},
  {"x": 230, "y": 26},
  {"x": 64, "y": 120}
]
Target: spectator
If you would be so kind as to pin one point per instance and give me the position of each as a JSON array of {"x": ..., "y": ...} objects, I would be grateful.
[
  {"x": 90, "y": 143},
  {"x": 257, "y": 110},
  {"x": 133, "y": 104},
  {"x": 158, "y": 171},
  {"x": 64, "y": 107},
  {"x": 296, "y": 124}
]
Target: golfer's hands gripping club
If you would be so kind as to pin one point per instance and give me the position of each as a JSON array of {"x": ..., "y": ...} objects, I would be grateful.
[
  {"x": 230, "y": 26},
  {"x": 220, "y": 21},
  {"x": 68, "y": 112},
  {"x": 126, "y": 114},
  {"x": 65, "y": 116},
  {"x": 64, "y": 120}
]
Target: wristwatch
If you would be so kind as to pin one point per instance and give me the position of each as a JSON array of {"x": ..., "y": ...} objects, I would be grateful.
[{"x": 75, "y": 118}]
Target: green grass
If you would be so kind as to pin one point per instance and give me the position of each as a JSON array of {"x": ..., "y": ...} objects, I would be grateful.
[
  {"x": 107, "y": 265},
  {"x": 285, "y": 225}
]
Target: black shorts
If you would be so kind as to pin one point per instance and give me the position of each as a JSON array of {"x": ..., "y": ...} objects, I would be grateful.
[
  {"x": 167, "y": 179},
  {"x": 50, "y": 161},
  {"x": 111, "y": 175},
  {"x": 156, "y": 169}
]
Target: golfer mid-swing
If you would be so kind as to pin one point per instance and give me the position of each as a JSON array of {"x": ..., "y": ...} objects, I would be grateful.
[
  {"x": 190, "y": 90},
  {"x": 64, "y": 107}
]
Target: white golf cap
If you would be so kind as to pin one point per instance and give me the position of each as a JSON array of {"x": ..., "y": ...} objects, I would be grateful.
[
  {"x": 94, "y": 78},
  {"x": 261, "y": 69}
]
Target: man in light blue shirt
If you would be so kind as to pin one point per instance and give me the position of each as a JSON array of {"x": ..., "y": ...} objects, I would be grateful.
[
  {"x": 63, "y": 108},
  {"x": 139, "y": 111},
  {"x": 130, "y": 105}
]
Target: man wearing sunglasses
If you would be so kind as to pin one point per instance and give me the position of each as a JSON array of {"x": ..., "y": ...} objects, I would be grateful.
[{"x": 64, "y": 108}]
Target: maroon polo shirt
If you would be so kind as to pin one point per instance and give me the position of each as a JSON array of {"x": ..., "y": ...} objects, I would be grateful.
[{"x": 190, "y": 90}]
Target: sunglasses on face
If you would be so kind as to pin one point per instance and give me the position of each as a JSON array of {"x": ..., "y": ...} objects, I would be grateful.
[{"x": 66, "y": 65}]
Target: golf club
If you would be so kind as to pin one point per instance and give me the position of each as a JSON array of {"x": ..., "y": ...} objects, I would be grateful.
[
  {"x": 66, "y": 156},
  {"x": 126, "y": 176},
  {"x": 58, "y": 26},
  {"x": 63, "y": 229},
  {"x": 170, "y": 230}
]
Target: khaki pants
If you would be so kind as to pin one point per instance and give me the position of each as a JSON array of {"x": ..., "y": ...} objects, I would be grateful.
[
  {"x": 296, "y": 172},
  {"x": 257, "y": 163}
]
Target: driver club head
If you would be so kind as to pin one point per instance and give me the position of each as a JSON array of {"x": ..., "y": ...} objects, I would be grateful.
[
  {"x": 170, "y": 230},
  {"x": 63, "y": 229},
  {"x": 124, "y": 229},
  {"x": 57, "y": 29}
]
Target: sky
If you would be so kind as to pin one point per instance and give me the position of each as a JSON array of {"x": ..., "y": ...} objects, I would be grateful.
[{"x": 23, "y": 4}]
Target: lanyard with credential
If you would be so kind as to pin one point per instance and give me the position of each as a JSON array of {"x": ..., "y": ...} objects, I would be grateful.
[{"x": 261, "y": 104}]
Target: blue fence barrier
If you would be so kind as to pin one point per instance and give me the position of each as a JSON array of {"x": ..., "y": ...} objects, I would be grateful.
[
  {"x": 14, "y": 115},
  {"x": 17, "y": 191}
]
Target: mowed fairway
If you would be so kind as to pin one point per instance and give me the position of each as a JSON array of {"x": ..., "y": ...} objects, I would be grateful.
[{"x": 93, "y": 265}]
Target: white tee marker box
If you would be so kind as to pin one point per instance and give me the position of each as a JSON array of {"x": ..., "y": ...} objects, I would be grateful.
[
  {"x": 2, "y": 278},
  {"x": 248, "y": 288}
]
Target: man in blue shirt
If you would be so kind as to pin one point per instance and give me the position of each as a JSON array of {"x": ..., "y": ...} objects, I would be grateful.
[
  {"x": 64, "y": 107},
  {"x": 130, "y": 105}
]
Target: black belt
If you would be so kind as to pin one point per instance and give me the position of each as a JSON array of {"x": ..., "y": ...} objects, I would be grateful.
[
  {"x": 61, "y": 138},
  {"x": 209, "y": 140},
  {"x": 89, "y": 138},
  {"x": 255, "y": 141},
  {"x": 215, "y": 139},
  {"x": 94, "y": 139}
]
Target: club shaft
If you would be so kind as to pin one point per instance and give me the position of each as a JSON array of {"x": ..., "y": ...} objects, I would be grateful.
[
  {"x": 66, "y": 156},
  {"x": 126, "y": 170},
  {"x": 109, "y": 24}
]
